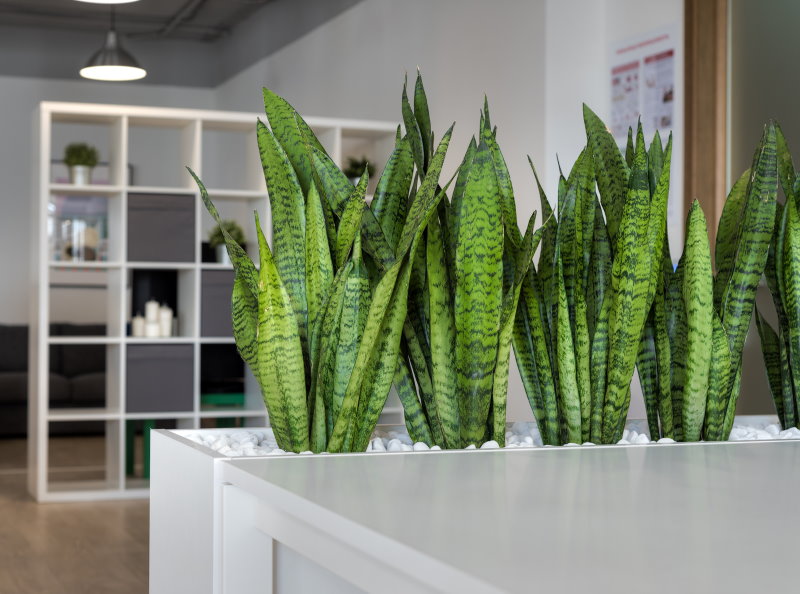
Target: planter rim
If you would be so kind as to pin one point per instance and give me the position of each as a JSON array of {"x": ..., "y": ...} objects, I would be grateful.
[{"x": 182, "y": 434}]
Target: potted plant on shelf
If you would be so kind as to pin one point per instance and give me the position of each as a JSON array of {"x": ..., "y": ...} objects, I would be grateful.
[
  {"x": 81, "y": 158},
  {"x": 355, "y": 168},
  {"x": 216, "y": 239}
]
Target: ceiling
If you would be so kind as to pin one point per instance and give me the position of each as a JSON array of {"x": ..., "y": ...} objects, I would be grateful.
[
  {"x": 197, "y": 20},
  {"x": 197, "y": 43}
]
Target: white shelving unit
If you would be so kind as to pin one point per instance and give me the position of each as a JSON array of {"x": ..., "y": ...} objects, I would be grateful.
[{"x": 144, "y": 151}]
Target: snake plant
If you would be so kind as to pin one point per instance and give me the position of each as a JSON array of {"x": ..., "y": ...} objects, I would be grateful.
[
  {"x": 781, "y": 346},
  {"x": 690, "y": 354},
  {"x": 319, "y": 320},
  {"x": 452, "y": 375},
  {"x": 582, "y": 309}
]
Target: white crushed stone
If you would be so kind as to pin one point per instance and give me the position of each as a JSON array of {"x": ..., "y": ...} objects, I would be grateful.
[{"x": 261, "y": 442}]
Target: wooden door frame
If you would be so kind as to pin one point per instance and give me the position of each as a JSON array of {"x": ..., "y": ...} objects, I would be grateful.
[{"x": 706, "y": 107}]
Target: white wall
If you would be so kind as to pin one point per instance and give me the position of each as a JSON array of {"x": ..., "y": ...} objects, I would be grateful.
[{"x": 20, "y": 96}]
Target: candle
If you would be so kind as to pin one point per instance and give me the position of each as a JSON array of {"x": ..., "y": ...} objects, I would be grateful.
[
  {"x": 151, "y": 311},
  {"x": 152, "y": 329},
  {"x": 165, "y": 321},
  {"x": 137, "y": 325}
]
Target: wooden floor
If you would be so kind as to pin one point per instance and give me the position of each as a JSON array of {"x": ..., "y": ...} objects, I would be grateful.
[{"x": 66, "y": 548}]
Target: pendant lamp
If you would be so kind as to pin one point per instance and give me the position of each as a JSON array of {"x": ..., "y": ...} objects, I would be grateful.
[{"x": 111, "y": 62}]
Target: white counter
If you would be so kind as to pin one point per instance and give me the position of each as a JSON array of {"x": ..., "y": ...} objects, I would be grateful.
[{"x": 657, "y": 518}]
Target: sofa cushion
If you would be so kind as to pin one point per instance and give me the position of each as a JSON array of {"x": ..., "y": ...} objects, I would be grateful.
[
  {"x": 84, "y": 358},
  {"x": 14, "y": 388},
  {"x": 65, "y": 329},
  {"x": 13, "y": 347},
  {"x": 89, "y": 390}
]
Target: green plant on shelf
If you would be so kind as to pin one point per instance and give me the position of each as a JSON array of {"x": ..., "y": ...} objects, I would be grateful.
[
  {"x": 80, "y": 153},
  {"x": 216, "y": 236},
  {"x": 355, "y": 167}
]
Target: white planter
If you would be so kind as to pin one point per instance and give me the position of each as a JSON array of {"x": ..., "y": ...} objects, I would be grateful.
[
  {"x": 222, "y": 254},
  {"x": 80, "y": 175},
  {"x": 485, "y": 521}
]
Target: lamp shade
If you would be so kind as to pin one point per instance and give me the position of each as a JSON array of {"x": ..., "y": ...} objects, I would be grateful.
[{"x": 111, "y": 62}]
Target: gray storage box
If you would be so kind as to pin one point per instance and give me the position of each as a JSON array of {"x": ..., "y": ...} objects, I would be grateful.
[
  {"x": 216, "y": 287},
  {"x": 159, "y": 378},
  {"x": 161, "y": 228}
]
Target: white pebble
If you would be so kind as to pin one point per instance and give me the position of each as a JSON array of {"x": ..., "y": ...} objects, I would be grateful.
[
  {"x": 773, "y": 429},
  {"x": 490, "y": 445},
  {"x": 640, "y": 439},
  {"x": 436, "y": 448},
  {"x": 570, "y": 445},
  {"x": 623, "y": 442},
  {"x": 666, "y": 440},
  {"x": 377, "y": 445},
  {"x": 395, "y": 445},
  {"x": 588, "y": 443},
  {"x": 420, "y": 446},
  {"x": 470, "y": 447}
]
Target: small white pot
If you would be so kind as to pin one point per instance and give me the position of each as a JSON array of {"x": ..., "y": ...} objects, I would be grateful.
[
  {"x": 222, "y": 254},
  {"x": 80, "y": 175}
]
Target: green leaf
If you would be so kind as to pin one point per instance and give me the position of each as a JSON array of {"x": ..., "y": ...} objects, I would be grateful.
[
  {"x": 663, "y": 360},
  {"x": 508, "y": 205},
  {"x": 423, "y": 118},
  {"x": 414, "y": 416},
  {"x": 630, "y": 279},
  {"x": 350, "y": 224},
  {"x": 324, "y": 375},
  {"x": 421, "y": 207},
  {"x": 533, "y": 360},
  {"x": 728, "y": 232},
  {"x": 336, "y": 190},
  {"x": 280, "y": 356},
  {"x": 791, "y": 281},
  {"x": 647, "y": 367},
  {"x": 294, "y": 135},
  {"x": 389, "y": 203},
  {"x": 568, "y": 399},
  {"x": 719, "y": 379},
  {"x": 610, "y": 169},
  {"x": 771, "y": 349},
  {"x": 478, "y": 294},
  {"x": 599, "y": 369},
  {"x": 657, "y": 229},
  {"x": 757, "y": 223},
  {"x": 413, "y": 132},
  {"x": 442, "y": 336},
  {"x": 244, "y": 300},
  {"x": 319, "y": 268},
  {"x": 507, "y": 319},
  {"x": 698, "y": 300},
  {"x": 655, "y": 160},
  {"x": 786, "y": 171}
]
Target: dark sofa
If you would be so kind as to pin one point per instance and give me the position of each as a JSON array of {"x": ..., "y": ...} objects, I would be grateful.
[{"x": 77, "y": 377}]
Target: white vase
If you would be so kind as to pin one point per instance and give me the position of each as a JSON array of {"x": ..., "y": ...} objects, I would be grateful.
[
  {"x": 80, "y": 175},
  {"x": 222, "y": 254}
]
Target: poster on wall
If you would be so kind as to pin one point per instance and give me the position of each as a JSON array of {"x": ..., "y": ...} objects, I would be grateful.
[
  {"x": 643, "y": 84},
  {"x": 644, "y": 72}
]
